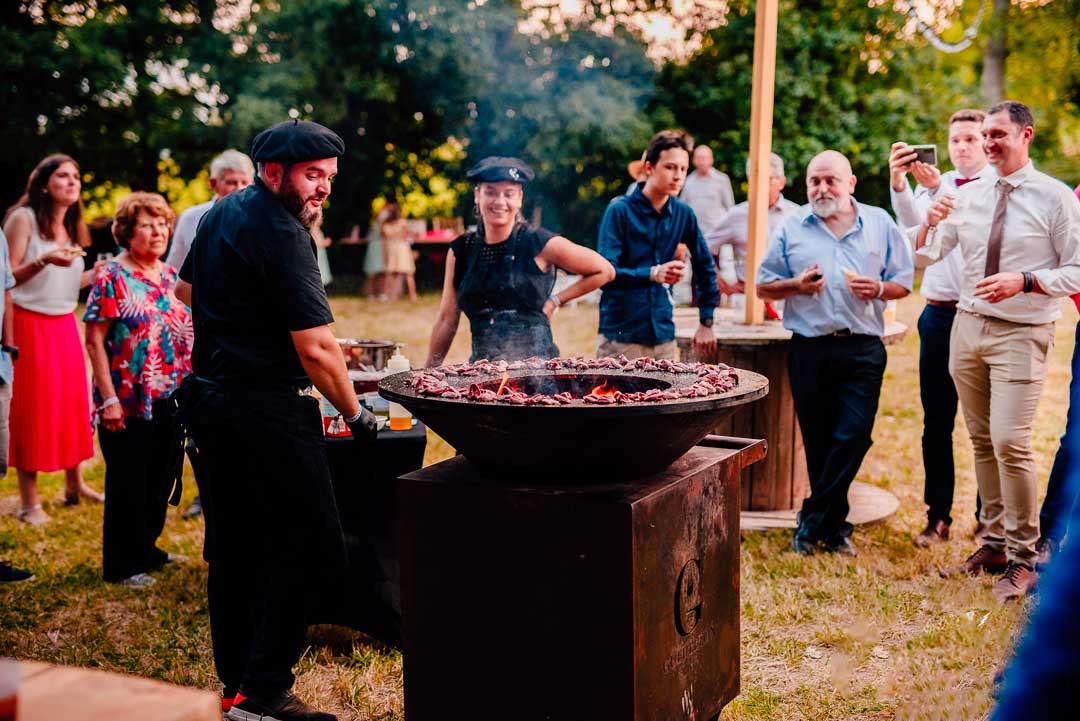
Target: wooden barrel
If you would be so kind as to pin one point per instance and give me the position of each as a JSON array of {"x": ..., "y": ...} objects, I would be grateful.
[{"x": 780, "y": 482}]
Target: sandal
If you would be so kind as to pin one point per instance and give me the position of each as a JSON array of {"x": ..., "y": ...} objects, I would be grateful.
[
  {"x": 34, "y": 515},
  {"x": 72, "y": 498}
]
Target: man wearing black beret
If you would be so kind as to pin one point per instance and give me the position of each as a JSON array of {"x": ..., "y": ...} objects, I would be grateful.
[{"x": 262, "y": 338}]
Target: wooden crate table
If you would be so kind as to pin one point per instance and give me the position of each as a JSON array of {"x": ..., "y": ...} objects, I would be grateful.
[
  {"x": 773, "y": 490},
  {"x": 49, "y": 692}
]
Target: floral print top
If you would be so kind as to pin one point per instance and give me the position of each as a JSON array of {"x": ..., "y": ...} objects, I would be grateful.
[{"x": 149, "y": 343}]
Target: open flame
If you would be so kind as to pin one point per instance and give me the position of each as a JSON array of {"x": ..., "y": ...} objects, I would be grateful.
[
  {"x": 600, "y": 390},
  {"x": 505, "y": 380}
]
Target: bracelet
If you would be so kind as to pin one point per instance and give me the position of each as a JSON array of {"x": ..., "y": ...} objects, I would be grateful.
[
  {"x": 1029, "y": 281},
  {"x": 653, "y": 273},
  {"x": 881, "y": 288},
  {"x": 555, "y": 299},
  {"x": 40, "y": 262},
  {"x": 355, "y": 418},
  {"x": 110, "y": 401}
]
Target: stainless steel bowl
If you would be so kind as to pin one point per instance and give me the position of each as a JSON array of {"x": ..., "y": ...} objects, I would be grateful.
[{"x": 367, "y": 354}]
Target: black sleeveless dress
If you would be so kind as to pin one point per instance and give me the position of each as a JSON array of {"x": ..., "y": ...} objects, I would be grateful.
[{"x": 502, "y": 292}]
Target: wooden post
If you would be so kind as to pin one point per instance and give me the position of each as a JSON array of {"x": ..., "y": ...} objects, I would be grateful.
[{"x": 761, "y": 117}]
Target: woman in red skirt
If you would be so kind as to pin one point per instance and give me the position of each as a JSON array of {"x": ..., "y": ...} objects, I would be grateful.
[{"x": 50, "y": 409}]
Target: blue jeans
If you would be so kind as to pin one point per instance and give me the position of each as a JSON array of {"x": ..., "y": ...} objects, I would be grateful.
[
  {"x": 835, "y": 382},
  {"x": 939, "y": 402},
  {"x": 1060, "y": 497}
]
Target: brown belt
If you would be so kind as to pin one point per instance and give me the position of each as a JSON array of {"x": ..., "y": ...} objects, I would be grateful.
[{"x": 942, "y": 303}]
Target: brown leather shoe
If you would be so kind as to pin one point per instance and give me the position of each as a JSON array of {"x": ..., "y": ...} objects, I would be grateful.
[
  {"x": 935, "y": 532},
  {"x": 985, "y": 560},
  {"x": 1018, "y": 580}
]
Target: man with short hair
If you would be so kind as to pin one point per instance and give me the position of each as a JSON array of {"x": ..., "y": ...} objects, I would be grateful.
[
  {"x": 733, "y": 227},
  {"x": 941, "y": 288},
  {"x": 835, "y": 263},
  {"x": 262, "y": 338},
  {"x": 1019, "y": 233},
  {"x": 639, "y": 235},
  {"x": 707, "y": 190},
  {"x": 232, "y": 170},
  {"x": 8, "y": 352}
]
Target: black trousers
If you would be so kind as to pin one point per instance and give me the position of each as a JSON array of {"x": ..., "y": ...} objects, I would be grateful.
[
  {"x": 272, "y": 528},
  {"x": 136, "y": 495},
  {"x": 939, "y": 402},
  {"x": 835, "y": 382}
]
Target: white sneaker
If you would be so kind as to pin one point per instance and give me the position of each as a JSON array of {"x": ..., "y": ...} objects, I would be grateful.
[{"x": 139, "y": 580}]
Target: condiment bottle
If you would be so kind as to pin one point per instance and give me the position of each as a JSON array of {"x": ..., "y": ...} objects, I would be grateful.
[{"x": 400, "y": 418}]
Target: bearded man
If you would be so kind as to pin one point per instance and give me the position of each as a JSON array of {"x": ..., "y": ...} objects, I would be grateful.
[
  {"x": 262, "y": 338},
  {"x": 836, "y": 262}
]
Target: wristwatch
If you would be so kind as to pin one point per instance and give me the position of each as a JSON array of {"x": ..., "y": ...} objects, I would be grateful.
[
  {"x": 707, "y": 322},
  {"x": 12, "y": 350}
]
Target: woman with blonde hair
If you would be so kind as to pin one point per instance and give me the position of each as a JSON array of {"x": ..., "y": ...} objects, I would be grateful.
[
  {"x": 397, "y": 248},
  {"x": 50, "y": 427}
]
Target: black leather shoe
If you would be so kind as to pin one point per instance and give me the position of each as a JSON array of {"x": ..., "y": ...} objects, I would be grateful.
[
  {"x": 843, "y": 546},
  {"x": 803, "y": 545},
  {"x": 283, "y": 707}
]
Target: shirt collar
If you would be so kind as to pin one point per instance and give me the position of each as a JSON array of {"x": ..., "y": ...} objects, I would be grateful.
[
  {"x": 642, "y": 204},
  {"x": 1017, "y": 177}
]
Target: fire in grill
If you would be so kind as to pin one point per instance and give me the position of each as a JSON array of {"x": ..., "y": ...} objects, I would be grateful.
[{"x": 605, "y": 419}]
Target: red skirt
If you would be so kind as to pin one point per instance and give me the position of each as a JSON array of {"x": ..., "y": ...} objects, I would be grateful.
[{"x": 50, "y": 399}]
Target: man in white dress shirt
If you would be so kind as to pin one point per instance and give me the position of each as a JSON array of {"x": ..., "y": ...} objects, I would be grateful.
[
  {"x": 941, "y": 288},
  {"x": 734, "y": 226},
  {"x": 232, "y": 170},
  {"x": 1019, "y": 234}
]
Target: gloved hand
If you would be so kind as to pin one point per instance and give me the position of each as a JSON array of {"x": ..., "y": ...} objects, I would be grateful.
[{"x": 364, "y": 428}]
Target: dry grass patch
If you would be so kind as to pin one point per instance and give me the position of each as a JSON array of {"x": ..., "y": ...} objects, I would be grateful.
[{"x": 881, "y": 636}]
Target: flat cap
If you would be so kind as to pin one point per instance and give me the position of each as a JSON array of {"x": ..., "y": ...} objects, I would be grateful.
[
  {"x": 494, "y": 169},
  {"x": 295, "y": 141}
]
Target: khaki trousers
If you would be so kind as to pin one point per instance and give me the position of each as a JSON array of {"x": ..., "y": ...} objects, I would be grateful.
[
  {"x": 606, "y": 348},
  {"x": 999, "y": 369}
]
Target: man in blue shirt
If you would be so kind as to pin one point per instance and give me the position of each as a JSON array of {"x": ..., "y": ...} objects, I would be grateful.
[
  {"x": 640, "y": 235},
  {"x": 8, "y": 351},
  {"x": 836, "y": 263}
]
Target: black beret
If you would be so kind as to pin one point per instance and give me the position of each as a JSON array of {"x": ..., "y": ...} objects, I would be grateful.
[
  {"x": 498, "y": 170},
  {"x": 295, "y": 141}
]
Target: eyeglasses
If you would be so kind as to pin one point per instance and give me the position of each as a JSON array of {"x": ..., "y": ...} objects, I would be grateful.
[{"x": 161, "y": 224}]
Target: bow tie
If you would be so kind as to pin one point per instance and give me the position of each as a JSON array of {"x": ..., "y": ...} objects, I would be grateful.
[{"x": 963, "y": 181}]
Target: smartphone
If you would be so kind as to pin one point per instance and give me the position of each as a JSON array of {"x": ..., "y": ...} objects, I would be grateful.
[{"x": 925, "y": 154}]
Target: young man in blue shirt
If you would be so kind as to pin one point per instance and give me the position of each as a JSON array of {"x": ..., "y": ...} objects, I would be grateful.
[
  {"x": 836, "y": 262},
  {"x": 640, "y": 236}
]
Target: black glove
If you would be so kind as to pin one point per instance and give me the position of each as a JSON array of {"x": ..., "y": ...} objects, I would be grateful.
[{"x": 364, "y": 428}]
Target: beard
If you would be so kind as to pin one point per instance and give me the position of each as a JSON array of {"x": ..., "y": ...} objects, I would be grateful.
[
  {"x": 824, "y": 206},
  {"x": 298, "y": 206}
]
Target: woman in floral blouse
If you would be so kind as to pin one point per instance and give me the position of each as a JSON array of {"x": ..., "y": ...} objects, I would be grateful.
[{"x": 139, "y": 336}]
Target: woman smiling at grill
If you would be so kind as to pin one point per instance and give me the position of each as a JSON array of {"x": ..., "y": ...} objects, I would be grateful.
[{"x": 502, "y": 275}]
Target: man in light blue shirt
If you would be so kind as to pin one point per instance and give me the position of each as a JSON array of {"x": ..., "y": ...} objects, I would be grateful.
[
  {"x": 8, "y": 574},
  {"x": 835, "y": 263}
]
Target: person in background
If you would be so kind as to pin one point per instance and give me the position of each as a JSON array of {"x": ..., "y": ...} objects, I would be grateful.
[
  {"x": 640, "y": 235},
  {"x": 138, "y": 337},
  {"x": 8, "y": 351},
  {"x": 707, "y": 190},
  {"x": 1019, "y": 233},
  {"x": 502, "y": 275},
  {"x": 321, "y": 244},
  {"x": 732, "y": 229},
  {"x": 49, "y": 398},
  {"x": 836, "y": 263},
  {"x": 230, "y": 171},
  {"x": 397, "y": 249},
  {"x": 941, "y": 287},
  {"x": 375, "y": 259},
  {"x": 636, "y": 168}
]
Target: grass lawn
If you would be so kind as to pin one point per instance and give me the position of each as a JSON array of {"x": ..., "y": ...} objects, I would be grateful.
[{"x": 880, "y": 636}]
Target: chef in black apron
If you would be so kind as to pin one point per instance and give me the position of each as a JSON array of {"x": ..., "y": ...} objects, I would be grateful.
[
  {"x": 502, "y": 274},
  {"x": 262, "y": 338}
]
